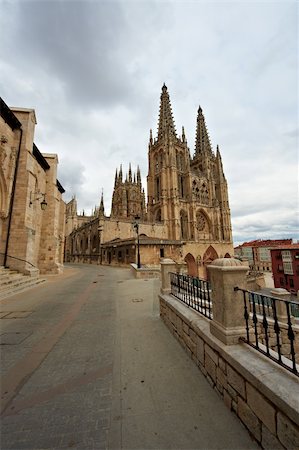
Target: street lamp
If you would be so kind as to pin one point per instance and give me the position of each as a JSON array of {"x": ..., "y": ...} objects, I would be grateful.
[
  {"x": 100, "y": 229},
  {"x": 136, "y": 226},
  {"x": 38, "y": 196}
]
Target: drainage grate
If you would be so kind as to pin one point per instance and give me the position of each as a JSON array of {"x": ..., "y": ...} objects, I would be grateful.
[
  {"x": 13, "y": 338},
  {"x": 137, "y": 300}
]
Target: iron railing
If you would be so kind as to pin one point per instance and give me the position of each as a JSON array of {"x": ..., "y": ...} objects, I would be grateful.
[
  {"x": 269, "y": 327},
  {"x": 19, "y": 259},
  {"x": 192, "y": 291}
]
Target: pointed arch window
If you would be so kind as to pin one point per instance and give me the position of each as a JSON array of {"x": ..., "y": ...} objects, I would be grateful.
[
  {"x": 159, "y": 216},
  {"x": 181, "y": 183},
  {"x": 158, "y": 189}
]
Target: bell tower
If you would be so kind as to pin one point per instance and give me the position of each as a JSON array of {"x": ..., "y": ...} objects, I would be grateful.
[{"x": 168, "y": 181}]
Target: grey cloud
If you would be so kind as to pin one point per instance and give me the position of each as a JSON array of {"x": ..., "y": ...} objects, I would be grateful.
[
  {"x": 71, "y": 174},
  {"x": 93, "y": 71},
  {"x": 76, "y": 42}
]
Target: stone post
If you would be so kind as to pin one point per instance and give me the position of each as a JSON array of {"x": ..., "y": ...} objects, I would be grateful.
[
  {"x": 228, "y": 322},
  {"x": 281, "y": 311},
  {"x": 167, "y": 266}
]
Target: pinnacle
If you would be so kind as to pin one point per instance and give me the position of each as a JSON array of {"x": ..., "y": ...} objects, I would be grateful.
[
  {"x": 166, "y": 124},
  {"x": 202, "y": 141}
]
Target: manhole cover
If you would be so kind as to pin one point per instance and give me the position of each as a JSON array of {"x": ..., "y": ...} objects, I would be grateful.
[
  {"x": 137, "y": 300},
  {"x": 13, "y": 338}
]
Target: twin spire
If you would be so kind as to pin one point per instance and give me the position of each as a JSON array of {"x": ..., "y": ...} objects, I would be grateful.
[
  {"x": 166, "y": 126},
  {"x": 136, "y": 178},
  {"x": 202, "y": 140}
]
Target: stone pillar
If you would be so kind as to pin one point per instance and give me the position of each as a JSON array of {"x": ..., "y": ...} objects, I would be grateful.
[
  {"x": 228, "y": 322},
  {"x": 167, "y": 266},
  {"x": 281, "y": 311}
]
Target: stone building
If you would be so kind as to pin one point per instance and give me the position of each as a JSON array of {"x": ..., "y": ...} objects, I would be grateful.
[
  {"x": 258, "y": 253},
  {"x": 186, "y": 217},
  {"x": 32, "y": 212}
]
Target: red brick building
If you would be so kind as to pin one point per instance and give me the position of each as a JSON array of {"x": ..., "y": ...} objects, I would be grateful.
[{"x": 285, "y": 267}]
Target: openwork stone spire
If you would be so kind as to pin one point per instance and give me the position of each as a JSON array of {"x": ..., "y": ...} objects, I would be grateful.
[
  {"x": 102, "y": 208},
  {"x": 166, "y": 125},
  {"x": 202, "y": 140}
]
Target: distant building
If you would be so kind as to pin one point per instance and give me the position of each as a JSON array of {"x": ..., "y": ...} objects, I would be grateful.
[
  {"x": 285, "y": 267},
  {"x": 186, "y": 216},
  {"x": 258, "y": 253},
  {"x": 32, "y": 212}
]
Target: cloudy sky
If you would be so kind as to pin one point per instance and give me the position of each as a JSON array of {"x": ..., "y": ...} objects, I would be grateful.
[{"x": 93, "y": 72}]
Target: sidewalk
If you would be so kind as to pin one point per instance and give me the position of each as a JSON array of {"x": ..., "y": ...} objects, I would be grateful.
[{"x": 94, "y": 367}]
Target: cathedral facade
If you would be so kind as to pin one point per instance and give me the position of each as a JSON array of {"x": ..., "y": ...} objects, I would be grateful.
[{"x": 186, "y": 216}]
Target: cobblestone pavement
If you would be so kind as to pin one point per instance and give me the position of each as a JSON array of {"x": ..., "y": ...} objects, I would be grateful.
[{"x": 87, "y": 364}]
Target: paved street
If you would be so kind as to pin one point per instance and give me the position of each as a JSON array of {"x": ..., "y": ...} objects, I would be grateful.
[{"x": 87, "y": 364}]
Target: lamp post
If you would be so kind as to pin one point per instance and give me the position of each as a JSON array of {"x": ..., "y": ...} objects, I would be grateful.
[
  {"x": 136, "y": 226},
  {"x": 100, "y": 229}
]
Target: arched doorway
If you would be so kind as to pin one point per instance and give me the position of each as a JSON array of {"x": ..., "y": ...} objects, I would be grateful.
[
  {"x": 191, "y": 265},
  {"x": 209, "y": 256}
]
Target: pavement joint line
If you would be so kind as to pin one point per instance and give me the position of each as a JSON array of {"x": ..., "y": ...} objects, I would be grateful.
[
  {"x": 12, "y": 382},
  {"x": 68, "y": 386}
]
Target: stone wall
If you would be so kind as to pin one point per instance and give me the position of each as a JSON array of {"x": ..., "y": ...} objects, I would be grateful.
[
  {"x": 34, "y": 240},
  {"x": 285, "y": 348},
  {"x": 263, "y": 395}
]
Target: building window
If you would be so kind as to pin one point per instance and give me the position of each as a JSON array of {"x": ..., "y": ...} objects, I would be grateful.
[
  {"x": 287, "y": 262},
  {"x": 161, "y": 252},
  {"x": 181, "y": 187},
  {"x": 157, "y": 188},
  {"x": 291, "y": 282}
]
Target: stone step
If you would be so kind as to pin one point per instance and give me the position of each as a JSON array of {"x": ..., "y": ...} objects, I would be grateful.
[
  {"x": 21, "y": 285},
  {"x": 12, "y": 282},
  {"x": 6, "y": 272},
  {"x": 9, "y": 278}
]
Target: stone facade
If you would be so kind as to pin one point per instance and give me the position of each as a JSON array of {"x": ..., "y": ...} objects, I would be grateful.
[
  {"x": 31, "y": 238},
  {"x": 186, "y": 217}
]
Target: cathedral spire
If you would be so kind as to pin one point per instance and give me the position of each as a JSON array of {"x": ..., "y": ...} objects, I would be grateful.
[
  {"x": 219, "y": 163},
  {"x": 151, "y": 137},
  {"x": 202, "y": 140},
  {"x": 130, "y": 173},
  {"x": 166, "y": 125},
  {"x": 116, "y": 178},
  {"x": 102, "y": 208},
  {"x": 138, "y": 175},
  {"x": 120, "y": 175}
]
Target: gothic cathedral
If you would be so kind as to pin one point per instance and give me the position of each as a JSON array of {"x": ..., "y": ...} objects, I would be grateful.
[{"x": 187, "y": 215}]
